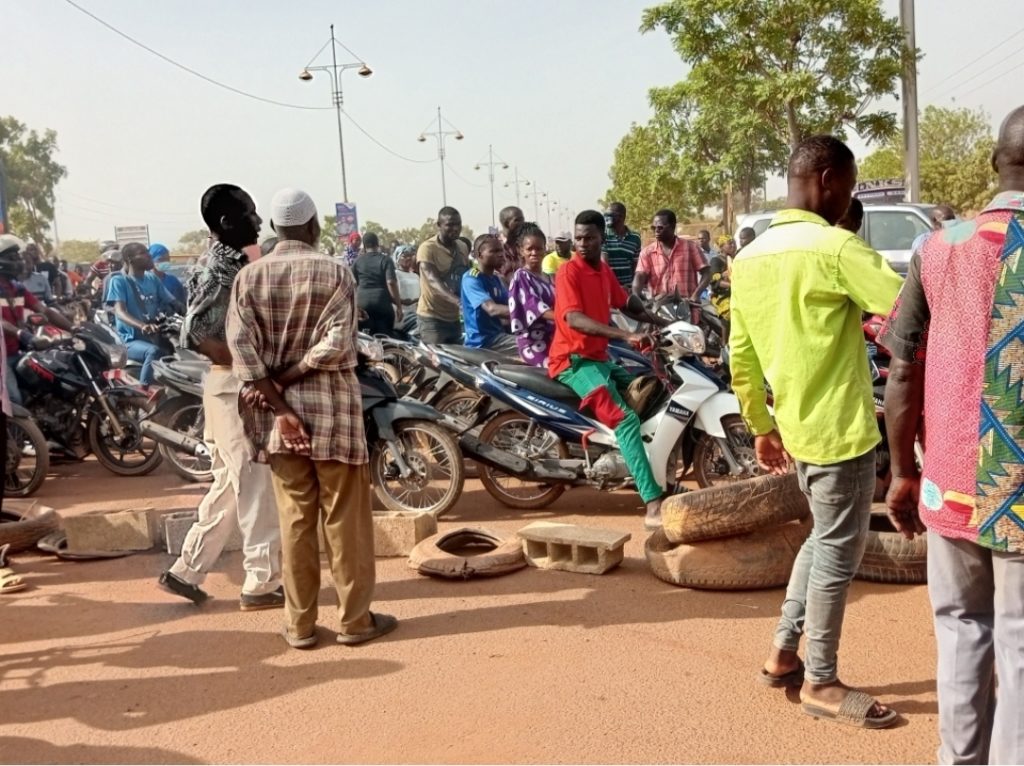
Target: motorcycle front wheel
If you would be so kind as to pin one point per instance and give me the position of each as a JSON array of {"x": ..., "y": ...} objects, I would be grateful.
[
  {"x": 185, "y": 415},
  {"x": 711, "y": 469},
  {"x": 435, "y": 459},
  {"x": 28, "y": 458},
  {"x": 131, "y": 454}
]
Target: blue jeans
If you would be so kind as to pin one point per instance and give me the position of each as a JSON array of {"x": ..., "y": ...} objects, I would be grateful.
[
  {"x": 13, "y": 391},
  {"x": 840, "y": 498},
  {"x": 145, "y": 352}
]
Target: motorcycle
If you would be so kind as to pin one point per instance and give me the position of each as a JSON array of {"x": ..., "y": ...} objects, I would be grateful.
[
  {"x": 525, "y": 451},
  {"x": 181, "y": 411},
  {"x": 28, "y": 455},
  {"x": 67, "y": 393}
]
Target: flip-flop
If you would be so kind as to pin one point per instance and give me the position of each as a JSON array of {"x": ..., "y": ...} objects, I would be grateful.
[
  {"x": 10, "y": 581},
  {"x": 854, "y": 712},
  {"x": 382, "y": 624},
  {"x": 790, "y": 680}
]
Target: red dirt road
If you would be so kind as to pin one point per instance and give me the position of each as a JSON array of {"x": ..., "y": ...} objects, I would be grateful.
[{"x": 99, "y": 665}]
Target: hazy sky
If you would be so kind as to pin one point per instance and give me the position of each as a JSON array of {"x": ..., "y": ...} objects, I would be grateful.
[{"x": 552, "y": 84}]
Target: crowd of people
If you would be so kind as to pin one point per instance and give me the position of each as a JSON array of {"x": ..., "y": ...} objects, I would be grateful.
[{"x": 289, "y": 454}]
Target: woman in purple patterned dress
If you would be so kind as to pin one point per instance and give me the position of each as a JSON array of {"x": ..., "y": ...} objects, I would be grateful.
[{"x": 531, "y": 299}]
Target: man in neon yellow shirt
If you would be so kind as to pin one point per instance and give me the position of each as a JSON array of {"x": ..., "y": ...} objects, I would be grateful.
[
  {"x": 563, "y": 252},
  {"x": 798, "y": 291}
]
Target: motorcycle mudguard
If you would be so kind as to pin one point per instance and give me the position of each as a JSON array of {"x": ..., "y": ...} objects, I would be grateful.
[
  {"x": 403, "y": 409},
  {"x": 711, "y": 412},
  {"x": 17, "y": 411}
]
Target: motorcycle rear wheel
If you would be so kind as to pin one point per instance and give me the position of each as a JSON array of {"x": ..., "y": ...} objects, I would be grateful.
[
  {"x": 185, "y": 414},
  {"x": 512, "y": 432},
  {"x": 436, "y": 461},
  {"x": 24, "y": 473},
  {"x": 132, "y": 454}
]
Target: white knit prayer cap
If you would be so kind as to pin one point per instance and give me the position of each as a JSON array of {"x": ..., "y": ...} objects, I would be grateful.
[{"x": 291, "y": 207}]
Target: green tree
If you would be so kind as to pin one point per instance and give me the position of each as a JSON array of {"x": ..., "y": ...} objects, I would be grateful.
[
  {"x": 955, "y": 158},
  {"x": 32, "y": 175},
  {"x": 644, "y": 177},
  {"x": 79, "y": 250},
  {"x": 191, "y": 243},
  {"x": 412, "y": 235}
]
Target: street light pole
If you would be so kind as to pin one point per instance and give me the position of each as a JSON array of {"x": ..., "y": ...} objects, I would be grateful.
[
  {"x": 524, "y": 182},
  {"x": 440, "y": 134},
  {"x": 490, "y": 174},
  {"x": 911, "y": 164},
  {"x": 335, "y": 70}
]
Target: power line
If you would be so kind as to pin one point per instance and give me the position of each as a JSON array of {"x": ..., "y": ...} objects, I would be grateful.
[
  {"x": 105, "y": 203},
  {"x": 455, "y": 173},
  {"x": 972, "y": 62},
  {"x": 191, "y": 71},
  {"x": 974, "y": 77},
  {"x": 232, "y": 89}
]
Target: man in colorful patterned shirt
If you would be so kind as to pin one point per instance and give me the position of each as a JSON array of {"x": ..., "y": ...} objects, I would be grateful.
[
  {"x": 955, "y": 336},
  {"x": 292, "y": 333}
]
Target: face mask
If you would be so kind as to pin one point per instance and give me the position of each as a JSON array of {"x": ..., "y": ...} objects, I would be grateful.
[{"x": 164, "y": 266}]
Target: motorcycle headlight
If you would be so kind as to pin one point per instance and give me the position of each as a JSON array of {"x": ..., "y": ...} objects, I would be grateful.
[
  {"x": 371, "y": 348},
  {"x": 690, "y": 341}
]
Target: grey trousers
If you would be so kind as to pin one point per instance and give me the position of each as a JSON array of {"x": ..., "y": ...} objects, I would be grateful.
[
  {"x": 840, "y": 498},
  {"x": 440, "y": 330},
  {"x": 977, "y": 595}
]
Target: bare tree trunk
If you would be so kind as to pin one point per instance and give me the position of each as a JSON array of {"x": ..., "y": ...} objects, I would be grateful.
[{"x": 794, "y": 128}]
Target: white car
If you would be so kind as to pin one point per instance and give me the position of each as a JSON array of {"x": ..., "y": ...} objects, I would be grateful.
[{"x": 889, "y": 229}]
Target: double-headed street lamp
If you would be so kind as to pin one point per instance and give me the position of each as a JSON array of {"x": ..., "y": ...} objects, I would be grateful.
[
  {"x": 517, "y": 182},
  {"x": 335, "y": 70},
  {"x": 440, "y": 134},
  {"x": 491, "y": 165}
]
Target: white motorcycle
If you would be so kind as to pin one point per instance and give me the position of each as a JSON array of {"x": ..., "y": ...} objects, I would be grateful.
[{"x": 540, "y": 443}]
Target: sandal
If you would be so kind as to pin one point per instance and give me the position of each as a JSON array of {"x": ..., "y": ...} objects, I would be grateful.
[
  {"x": 854, "y": 712},
  {"x": 382, "y": 624},
  {"x": 10, "y": 581},
  {"x": 790, "y": 680}
]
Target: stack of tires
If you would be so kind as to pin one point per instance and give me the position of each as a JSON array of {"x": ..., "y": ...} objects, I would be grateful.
[
  {"x": 737, "y": 536},
  {"x": 746, "y": 535}
]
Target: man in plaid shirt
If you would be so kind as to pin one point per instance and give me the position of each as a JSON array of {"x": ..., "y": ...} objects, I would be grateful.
[{"x": 292, "y": 332}]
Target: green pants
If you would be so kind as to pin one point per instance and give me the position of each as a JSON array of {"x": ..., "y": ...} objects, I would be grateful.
[{"x": 599, "y": 385}]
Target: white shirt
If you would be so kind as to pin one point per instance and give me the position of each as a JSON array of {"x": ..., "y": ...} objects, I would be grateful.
[{"x": 408, "y": 285}]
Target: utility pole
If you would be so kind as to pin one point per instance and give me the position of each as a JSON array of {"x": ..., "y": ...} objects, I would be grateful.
[
  {"x": 491, "y": 164},
  {"x": 911, "y": 147},
  {"x": 441, "y": 134}
]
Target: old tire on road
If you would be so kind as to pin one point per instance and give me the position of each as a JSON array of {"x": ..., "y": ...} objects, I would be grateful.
[
  {"x": 733, "y": 509},
  {"x": 889, "y": 557},
  {"x": 761, "y": 559},
  {"x": 467, "y": 552}
]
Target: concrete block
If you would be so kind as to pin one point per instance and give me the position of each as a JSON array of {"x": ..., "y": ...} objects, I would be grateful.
[
  {"x": 116, "y": 531},
  {"x": 177, "y": 525},
  {"x": 572, "y": 548},
  {"x": 395, "y": 533}
]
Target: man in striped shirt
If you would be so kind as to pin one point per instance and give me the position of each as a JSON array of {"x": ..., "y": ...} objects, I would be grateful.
[
  {"x": 621, "y": 245},
  {"x": 292, "y": 333}
]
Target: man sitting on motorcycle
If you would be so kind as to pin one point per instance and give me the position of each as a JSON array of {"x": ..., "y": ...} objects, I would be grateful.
[
  {"x": 586, "y": 290},
  {"x": 15, "y": 304},
  {"x": 138, "y": 298}
]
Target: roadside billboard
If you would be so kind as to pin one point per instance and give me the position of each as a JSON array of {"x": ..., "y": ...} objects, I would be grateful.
[
  {"x": 346, "y": 220},
  {"x": 125, "y": 234}
]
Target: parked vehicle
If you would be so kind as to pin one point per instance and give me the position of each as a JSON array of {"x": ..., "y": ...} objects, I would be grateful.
[
  {"x": 79, "y": 410},
  {"x": 181, "y": 410},
  {"x": 526, "y": 452},
  {"x": 28, "y": 455},
  {"x": 889, "y": 229}
]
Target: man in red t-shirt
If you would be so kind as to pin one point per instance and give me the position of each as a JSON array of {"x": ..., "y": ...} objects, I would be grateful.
[{"x": 586, "y": 291}]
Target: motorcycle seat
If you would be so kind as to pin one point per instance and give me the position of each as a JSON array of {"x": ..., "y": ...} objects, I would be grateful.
[
  {"x": 537, "y": 381},
  {"x": 477, "y": 356}
]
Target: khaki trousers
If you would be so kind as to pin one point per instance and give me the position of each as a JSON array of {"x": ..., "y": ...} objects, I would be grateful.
[{"x": 307, "y": 492}]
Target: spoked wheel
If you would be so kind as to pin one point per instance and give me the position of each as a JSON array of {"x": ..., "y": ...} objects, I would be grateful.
[
  {"x": 130, "y": 454},
  {"x": 459, "y": 404},
  {"x": 519, "y": 435},
  {"x": 28, "y": 457},
  {"x": 435, "y": 459},
  {"x": 400, "y": 368},
  {"x": 710, "y": 467},
  {"x": 186, "y": 417}
]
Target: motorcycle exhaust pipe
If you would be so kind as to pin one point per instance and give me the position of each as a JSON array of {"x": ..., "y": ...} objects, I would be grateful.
[
  {"x": 173, "y": 438},
  {"x": 511, "y": 464}
]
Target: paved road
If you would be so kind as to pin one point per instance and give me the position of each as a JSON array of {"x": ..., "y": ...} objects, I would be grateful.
[{"x": 98, "y": 665}]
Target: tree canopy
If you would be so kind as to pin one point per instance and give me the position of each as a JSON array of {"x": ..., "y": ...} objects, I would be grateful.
[
  {"x": 79, "y": 250},
  {"x": 32, "y": 175},
  {"x": 955, "y": 157},
  {"x": 763, "y": 75},
  {"x": 411, "y": 235}
]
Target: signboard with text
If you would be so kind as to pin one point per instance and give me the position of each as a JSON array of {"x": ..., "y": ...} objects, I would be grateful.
[
  {"x": 881, "y": 190},
  {"x": 125, "y": 234},
  {"x": 346, "y": 220}
]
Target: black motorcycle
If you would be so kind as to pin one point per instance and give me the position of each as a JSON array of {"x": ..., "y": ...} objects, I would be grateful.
[
  {"x": 28, "y": 455},
  {"x": 67, "y": 392}
]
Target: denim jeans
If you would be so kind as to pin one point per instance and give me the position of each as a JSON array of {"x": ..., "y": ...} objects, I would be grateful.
[
  {"x": 979, "y": 629},
  {"x": 145, "y": 352},
  {"x": 11, "y": 379},
  {"x": 840, "y": 497}
]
